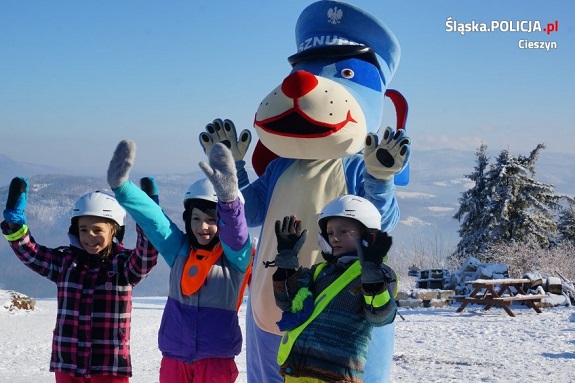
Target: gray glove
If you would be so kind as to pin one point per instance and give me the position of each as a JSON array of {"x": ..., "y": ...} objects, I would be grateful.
[
  {"x": 221, "y": 172},
  {"x": 121, "y": 163}
]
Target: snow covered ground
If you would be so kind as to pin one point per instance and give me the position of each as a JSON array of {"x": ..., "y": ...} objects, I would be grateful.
[{"x": 432, "y": 345}]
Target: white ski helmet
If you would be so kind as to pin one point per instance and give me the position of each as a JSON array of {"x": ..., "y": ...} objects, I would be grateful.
[
  {"x": 99, "y": 204},
  {"x": 203, "y": 189},
  {"x": 350, "y": 206}
]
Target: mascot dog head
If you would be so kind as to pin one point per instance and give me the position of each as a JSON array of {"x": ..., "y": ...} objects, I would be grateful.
[{"x": 334, "y": 94}]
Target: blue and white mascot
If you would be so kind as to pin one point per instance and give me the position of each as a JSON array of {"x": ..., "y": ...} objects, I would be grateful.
[{"x": 318, "y": 130}]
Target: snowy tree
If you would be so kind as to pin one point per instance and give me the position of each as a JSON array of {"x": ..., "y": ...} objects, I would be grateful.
[
  {"x": 566, "y": 225},
  {"x": 472, "y": 205},
  {"x": 506, "y": 205}
]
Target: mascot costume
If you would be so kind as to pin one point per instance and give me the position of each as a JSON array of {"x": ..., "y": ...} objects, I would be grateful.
[{"x": 318, "y": 139}]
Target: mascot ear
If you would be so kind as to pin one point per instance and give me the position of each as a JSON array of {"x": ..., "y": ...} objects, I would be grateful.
[
  {"x": 400, "y": 104},
  {"x": 261, "y": 157}
]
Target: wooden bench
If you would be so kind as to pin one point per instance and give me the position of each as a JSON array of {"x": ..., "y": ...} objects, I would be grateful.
[
  {"x": 517, "y": 298},
  {"x": 508, "y": 291}
]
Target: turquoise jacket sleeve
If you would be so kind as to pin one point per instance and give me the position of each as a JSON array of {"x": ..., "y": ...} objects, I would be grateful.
[{"x": 164, "y": 234}]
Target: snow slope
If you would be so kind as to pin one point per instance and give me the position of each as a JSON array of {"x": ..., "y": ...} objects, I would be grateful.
[{"x": 432, "y": 345}]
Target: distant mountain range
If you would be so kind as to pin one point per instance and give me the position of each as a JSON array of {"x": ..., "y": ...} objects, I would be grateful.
[{"x": 427, "y": 206}]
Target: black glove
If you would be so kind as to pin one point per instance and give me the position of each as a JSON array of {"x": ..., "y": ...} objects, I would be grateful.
[
  {"x": 290, "y": 240},
  {"x": 375, "y": 245},
  {"x": 371, "y": 249},
  {"x": 148, "y": 185},
  {"x": 17, "y": 201}
]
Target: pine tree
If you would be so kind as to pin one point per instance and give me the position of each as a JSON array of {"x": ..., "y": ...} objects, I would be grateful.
[
  {"x": 566, "y": 225},
  {"x": 506, "y": 205},
  {"x": 472, "y": 206}
]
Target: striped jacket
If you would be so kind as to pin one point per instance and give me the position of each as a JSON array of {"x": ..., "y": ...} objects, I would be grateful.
[
  {"x": 204, "y": 324},
  {"x": 92, "y": 332},
  {"x": 333, "y": 347}
]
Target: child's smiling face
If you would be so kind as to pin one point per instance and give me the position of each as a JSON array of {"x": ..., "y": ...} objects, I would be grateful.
[
  {"x": 95, "y": 233},
  {"x": 204, "y": 226}
]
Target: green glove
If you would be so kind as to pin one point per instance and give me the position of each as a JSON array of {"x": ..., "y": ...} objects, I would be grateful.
[
  {"x": 148, "y": 185},
  {"x": 221, "y": 172},
  {"x": 121, "y": 163},
  {"x": 17, "y": 201}
]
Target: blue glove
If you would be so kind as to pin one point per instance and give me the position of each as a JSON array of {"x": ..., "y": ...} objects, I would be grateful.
[
  {"x": 294, "y": 318},
  {"x": 16, "y": 203},
  {"x": 148, "y": 185}
]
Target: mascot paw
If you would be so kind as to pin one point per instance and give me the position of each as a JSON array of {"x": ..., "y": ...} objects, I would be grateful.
[
  {"x": 388, "y": 158},
  {"x": 225, "y": 132}
]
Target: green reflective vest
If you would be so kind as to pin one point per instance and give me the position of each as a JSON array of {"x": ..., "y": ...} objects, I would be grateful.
[{"x": 320, "y": 303}]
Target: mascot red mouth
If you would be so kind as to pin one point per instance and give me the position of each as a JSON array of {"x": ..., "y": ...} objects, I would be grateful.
[{"x": 294, "y": 123}]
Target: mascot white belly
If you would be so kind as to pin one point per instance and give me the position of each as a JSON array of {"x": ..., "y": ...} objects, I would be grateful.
[{"x": 303, "y": 190}]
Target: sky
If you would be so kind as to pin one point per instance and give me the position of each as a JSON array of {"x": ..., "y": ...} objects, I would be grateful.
[
  {"x": 76, "y": 77},
  {"x": 431, "y": 344}
]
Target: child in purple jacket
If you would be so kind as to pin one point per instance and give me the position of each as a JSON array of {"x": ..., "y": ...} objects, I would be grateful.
[
  {"x": 94, "y": 276},
  {"x": 199, "y": 335}
]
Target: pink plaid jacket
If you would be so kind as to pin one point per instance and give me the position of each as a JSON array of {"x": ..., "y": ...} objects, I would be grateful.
[{"x": 92, "y": 332}]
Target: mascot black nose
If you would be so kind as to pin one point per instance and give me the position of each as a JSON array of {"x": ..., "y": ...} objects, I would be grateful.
[{"x": 298, "y": 84}]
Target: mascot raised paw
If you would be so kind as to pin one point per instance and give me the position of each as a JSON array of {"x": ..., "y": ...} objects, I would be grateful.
[{"x": 318, "y": 139}]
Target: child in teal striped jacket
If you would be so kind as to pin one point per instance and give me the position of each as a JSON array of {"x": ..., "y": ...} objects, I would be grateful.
[{"x": 330, "y": 309}]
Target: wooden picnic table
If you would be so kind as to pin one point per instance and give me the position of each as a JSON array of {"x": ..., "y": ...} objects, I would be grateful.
[{"x": 500, "y": 293}]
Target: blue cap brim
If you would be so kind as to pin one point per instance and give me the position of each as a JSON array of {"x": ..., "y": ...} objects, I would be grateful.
[{"x": 337, "y": 51}]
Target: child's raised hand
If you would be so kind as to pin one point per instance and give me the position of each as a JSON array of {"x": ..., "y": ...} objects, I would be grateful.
[
  {"x": 371, "y": 249},
  {"x": 374, "y": 246},
  {"x": 121, "y": 163},
  {"x": 16, "y": 202},
  {"x": 290, "y": 239},
  {"x": 221, "y": 171}
]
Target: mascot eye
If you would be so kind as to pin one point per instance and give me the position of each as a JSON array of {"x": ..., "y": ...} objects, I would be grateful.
[{"x": 347, "y": 73}]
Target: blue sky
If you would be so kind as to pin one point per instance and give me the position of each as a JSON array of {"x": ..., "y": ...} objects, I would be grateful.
[{"x": 76, "y": 77}]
